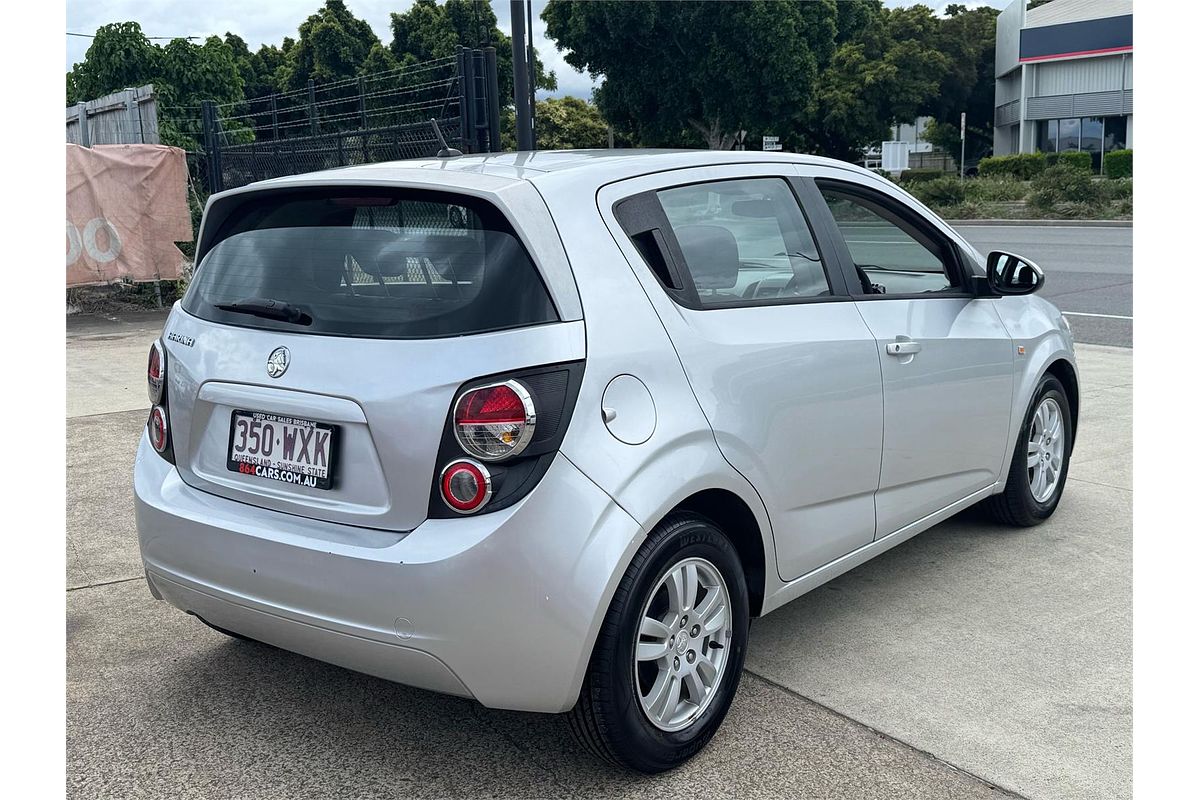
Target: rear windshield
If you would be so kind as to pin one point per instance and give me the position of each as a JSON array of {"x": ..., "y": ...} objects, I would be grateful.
[{"x": 362, "y": 262}]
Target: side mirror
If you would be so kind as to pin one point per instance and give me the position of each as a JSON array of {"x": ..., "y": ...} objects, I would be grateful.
[{"x": 1008, "y": 273}]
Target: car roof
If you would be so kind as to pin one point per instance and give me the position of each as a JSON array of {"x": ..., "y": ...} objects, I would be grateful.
[{"x": 591, "y": 167}]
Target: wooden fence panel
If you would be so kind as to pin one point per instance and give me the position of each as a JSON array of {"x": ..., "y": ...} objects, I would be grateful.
[{"x": 126, "y": 117}]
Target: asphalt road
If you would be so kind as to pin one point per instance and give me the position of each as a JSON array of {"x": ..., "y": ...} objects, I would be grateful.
[
  {"x": 972, "y": 661},
  {"x": 1089, "y": 273}
]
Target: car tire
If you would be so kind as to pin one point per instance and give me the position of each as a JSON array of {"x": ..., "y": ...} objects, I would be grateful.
[
  {"x": 612, "y": 718},
  {"x": 1017, "y": 505}
]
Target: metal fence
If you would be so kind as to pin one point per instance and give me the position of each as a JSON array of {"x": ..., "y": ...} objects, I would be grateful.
[
  {"x": 379, "y": 117},
  {"x": 126, "y": 117}
]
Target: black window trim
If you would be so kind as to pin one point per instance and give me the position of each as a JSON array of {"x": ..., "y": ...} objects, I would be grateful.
[
  {"x": 897, "y": 212},
  {"x": 642, "y": 213}
]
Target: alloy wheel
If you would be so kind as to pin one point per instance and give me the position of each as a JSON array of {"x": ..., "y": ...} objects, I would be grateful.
[
  {"x": 1045, "y": 450},
  {"x": 682, "y": 644}
]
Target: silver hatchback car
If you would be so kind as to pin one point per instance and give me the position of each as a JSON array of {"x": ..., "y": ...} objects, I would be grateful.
[{"x": 547, "y": 430}]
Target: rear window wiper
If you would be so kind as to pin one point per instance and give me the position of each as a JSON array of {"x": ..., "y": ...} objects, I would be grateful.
[{"x": 269, "y": 309}]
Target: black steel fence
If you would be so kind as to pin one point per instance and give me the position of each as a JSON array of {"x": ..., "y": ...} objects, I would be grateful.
[{"x": 384, "y": 116}]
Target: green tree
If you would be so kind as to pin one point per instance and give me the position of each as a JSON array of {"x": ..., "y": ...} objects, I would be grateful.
[
  {"x": 189, "y": 74},
  {"x": 379, "y": 59},
  {"x": 568, "y": 123},
  {"x": 260, "y": 69},
  {"x": 429, "y": 30},
  {"x": 683, "y": 73},
  {"x": 968, "y": 38},
  {"x": 119, "y": 56},
  {"x": 890, "y": 71},
  {"x": 183, "y": 74},
  {"x": 333, "y": 45}
]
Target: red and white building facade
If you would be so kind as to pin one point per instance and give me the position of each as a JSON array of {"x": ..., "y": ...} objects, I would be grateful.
[{"x": 1064, "y": 77}]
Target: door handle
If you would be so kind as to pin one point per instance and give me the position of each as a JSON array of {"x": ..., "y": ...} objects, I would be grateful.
[{"x": 903, "y": 348}]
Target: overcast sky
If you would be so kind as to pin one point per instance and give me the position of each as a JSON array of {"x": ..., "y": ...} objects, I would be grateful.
[{"x": 268, "y": 21}]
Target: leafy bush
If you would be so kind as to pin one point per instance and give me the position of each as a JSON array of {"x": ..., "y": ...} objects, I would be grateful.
[
  {"x": 968, "y": 210},
  {"x": 1072, "y": 158},
  {"x": 943, "y": 191},
  {"x": 919, "y": 175},
  {"x": 1022, "y": 166},
  {"x": 1119, "y": 164},
  {"x": 1117, "y": 189},
  {"x": 1065, "y": 184},
  {"x": 996, "y": 189}
]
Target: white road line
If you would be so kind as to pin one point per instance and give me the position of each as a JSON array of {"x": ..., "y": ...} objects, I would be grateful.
[{"x": 1102, "y": 316}]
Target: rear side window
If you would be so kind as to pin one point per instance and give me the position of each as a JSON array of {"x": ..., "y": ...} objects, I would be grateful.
[
  {"x": 745, "y": 241},
  {"x": 367, "y": 263}
]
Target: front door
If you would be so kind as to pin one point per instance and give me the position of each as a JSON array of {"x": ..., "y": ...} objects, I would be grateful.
[
  {"x": 945, "y": 356},
  {"x": 779, "y": 358}
]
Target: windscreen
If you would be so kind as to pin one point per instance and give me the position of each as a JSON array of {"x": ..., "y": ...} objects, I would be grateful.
[{"x": 350, "y": 262}]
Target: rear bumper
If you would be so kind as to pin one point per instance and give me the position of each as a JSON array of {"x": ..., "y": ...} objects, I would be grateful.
[{"x": 503, "y": 607}]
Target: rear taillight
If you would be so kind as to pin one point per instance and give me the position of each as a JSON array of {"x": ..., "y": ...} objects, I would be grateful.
[
  {"x": 466, "y": 486},
  {"x": 156, "y": 373},
  {"x": 491, "y": 419},
  {"x": 496, "y": 421},
  {"x": 156, "y": 387},
  {"x": 158, "y": 428}
]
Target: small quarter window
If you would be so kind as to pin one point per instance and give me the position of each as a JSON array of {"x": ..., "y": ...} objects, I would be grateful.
[{"x": 745, "y": 242}]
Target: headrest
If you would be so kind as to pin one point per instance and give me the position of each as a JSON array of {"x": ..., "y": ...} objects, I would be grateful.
[{"x": 711, "y": 253}]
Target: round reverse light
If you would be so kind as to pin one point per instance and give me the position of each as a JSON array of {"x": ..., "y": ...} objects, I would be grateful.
[
  {"x": 466, "y": 486},
  {"x": 156, "y": 372},
  {"x": 158, "y": 428},
  {"x": 495, "y": 421}
]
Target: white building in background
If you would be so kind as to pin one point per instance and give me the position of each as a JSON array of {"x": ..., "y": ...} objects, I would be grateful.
[
  {"x": 914, "y": 134},
  {"x": 1064, "y": 77}
]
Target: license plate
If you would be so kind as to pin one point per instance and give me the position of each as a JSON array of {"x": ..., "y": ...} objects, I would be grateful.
[{"x": 280, "y": 448}]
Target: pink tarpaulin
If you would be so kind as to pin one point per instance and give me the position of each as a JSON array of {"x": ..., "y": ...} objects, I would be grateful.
[{"x": 126, "y": 208}]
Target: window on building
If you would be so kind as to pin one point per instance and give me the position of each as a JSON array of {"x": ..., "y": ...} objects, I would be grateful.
[
  {"x": 1115, "y": 131},
  {"x": 1068, "y": 134},
  {"x": 1048, "y": 136},
  {"x": 1093, "y": 135},
  {"x": 1091, "y": 138}
]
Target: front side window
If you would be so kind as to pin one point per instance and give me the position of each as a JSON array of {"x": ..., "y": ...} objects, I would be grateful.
[
  {"x": 891, "y": 255},
  {"x": 745, "y": 241},
  {"x": 369, "y": 263}
]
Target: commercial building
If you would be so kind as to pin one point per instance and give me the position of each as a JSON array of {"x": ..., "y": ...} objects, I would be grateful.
[{"x": 1064, "y": 77}]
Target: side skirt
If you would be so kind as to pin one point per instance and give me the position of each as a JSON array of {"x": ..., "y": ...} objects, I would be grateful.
[{"x": 806, "y": 583}]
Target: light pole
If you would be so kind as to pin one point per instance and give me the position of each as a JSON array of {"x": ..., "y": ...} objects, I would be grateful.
[{"x": 962, "y": 145}]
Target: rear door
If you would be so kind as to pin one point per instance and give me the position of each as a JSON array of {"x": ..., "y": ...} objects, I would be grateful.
[
  {"x": 779, "y": 358},
  {"x": 313, "y": 363},
  {"x": 946, "y": 358}
]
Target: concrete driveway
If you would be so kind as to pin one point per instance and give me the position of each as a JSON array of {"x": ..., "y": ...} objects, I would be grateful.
[{"x": 971, "y": 661}]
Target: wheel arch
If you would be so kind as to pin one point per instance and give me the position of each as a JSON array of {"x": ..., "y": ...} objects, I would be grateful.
[
  {"x": 1055, "y": 359},
  {"x": 734, "y": 517},
  {"x": 1065, "y": 372}
]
